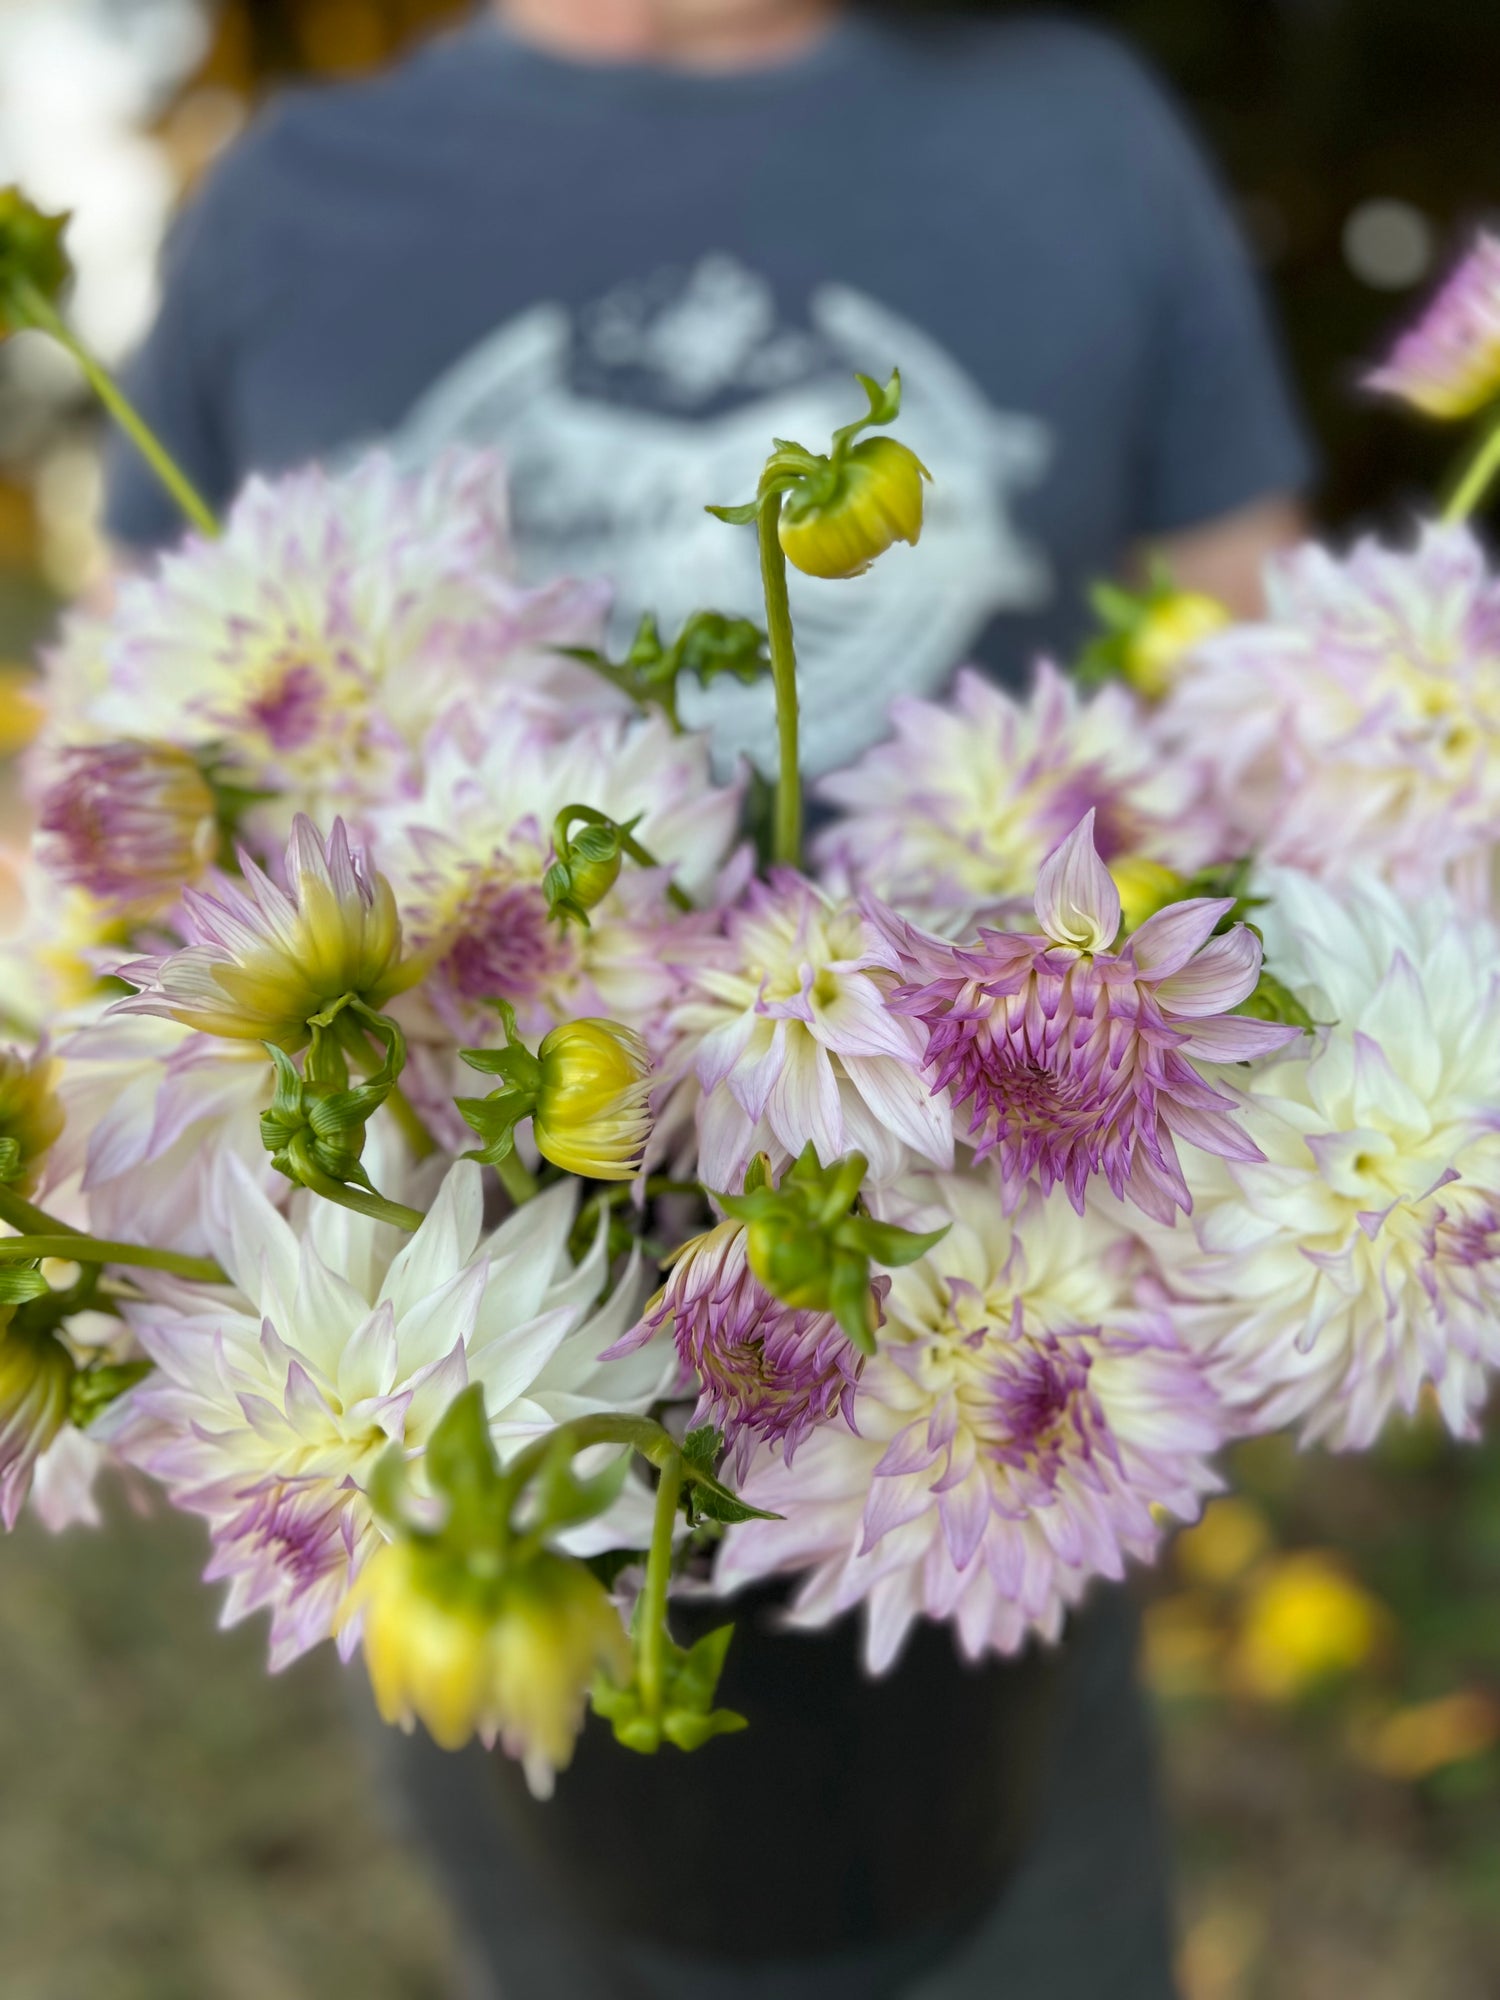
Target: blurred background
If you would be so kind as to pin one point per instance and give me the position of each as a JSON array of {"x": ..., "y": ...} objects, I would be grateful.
[{"x": 1325, "y": 1648}]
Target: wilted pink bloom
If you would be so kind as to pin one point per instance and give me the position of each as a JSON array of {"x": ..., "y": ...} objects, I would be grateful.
[
  {"x": 768, "y": 1371},
  {"x": 1448, "y": 364},
  {"x": 1077, "y": 1059}
]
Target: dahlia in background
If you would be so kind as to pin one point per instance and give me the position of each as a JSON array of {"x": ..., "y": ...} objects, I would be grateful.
[
  {"x": 130, "y": 823},
  {"x": 1448, "y": 364},
  {"x": 467, "y": 855},
  {"x": 273, "y": 1399},
  {"x": 1358, "y": 725},
  {"x": 318, "y": 639},
  {"x": 1075, "y": 1059},
  {"x": 952, "y": 819},
  {"x": 1358, "y": 1261},
  {"x": 1028, "y": 1421}
]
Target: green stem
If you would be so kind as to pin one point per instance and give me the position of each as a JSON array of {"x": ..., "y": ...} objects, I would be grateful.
[
  {"x": 519, "y": 1182},
  {"x": 651, "y": 1613},
  {"x": 89, "y": 1250},
  {"x": 1477, "y": 477},
  {"x": 787, "y": 843},
  {"x": 41, "y": 314},
  {"x": 23, "y": 1215},
  {"x": 363, "y": 1201},
  {"x": 405, "y": 1113}
]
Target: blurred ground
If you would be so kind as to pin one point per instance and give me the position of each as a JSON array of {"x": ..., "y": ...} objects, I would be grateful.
[{"x": 175, "y": 1825}]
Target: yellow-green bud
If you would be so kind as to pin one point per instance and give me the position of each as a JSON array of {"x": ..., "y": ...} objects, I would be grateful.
[
  {"x": 31, "y": 1117},
  {"x": 836, "y": 523},
  {"x": 511, "y": 1659},
  {"x": 591, "y": 1115},
  {"x": 1170, "y": 631},
  {"x": 1145, "y": 887},
  {"x": 31, "y": 258}
]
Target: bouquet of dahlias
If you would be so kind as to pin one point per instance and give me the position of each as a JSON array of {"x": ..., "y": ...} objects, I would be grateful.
[{"x": 444, "y": 1151}]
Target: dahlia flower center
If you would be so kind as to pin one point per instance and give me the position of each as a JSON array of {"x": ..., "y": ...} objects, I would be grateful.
[
  {"x": 295, "y": 1528},
  {"x": 288, "y": 707},
  {"x": 501, "y": 941}
]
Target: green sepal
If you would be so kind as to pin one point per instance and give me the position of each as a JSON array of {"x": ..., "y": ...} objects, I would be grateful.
[
  {"x": 688, "y": 1718},
  {"x": 563, "y": 1500},
  {"x": 493, "y": 1120},
  {"x": 11, "y": 1163},
  {"x": 20, "y": 1283},
  {"x": 736, "y": 517},
  {"x": 1272, "y": 1000},
  {"x": 94, "y": 1389},
  {"x": 895, "y": 1248},
  {"x": 851, "y": 1299}
]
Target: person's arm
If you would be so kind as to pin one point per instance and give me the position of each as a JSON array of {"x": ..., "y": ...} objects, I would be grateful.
[{"x": 1226, "y": 558}]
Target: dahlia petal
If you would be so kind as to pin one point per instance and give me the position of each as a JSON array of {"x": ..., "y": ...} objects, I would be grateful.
[
  {"x": 1077, "y": 903},
  {"x": 1165, "y": 942},
  {"x": 1223, "y": 973}
]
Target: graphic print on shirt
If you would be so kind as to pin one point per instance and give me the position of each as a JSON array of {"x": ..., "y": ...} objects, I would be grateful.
[{"x": 620, "y": 425}]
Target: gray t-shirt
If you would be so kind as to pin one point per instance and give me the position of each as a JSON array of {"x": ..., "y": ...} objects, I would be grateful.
[{"x": 630, "y": 278}]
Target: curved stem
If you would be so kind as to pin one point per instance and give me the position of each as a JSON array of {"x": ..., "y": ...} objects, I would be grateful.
[
  {"x": 519, "y": 1182},
  {"x": 363, "y": 1201},
  {"x": 651, "y": 1613},
  {"x": 787, "y": 843},
  {"x": 1477, "y": 477},
  {"x": 77, "y": 1249},
  {"x": 41, "y": 315}
]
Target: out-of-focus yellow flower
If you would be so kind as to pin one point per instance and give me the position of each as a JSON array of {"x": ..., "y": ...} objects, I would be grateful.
[
  {"x": 1414, "y": 1742},
  {"x": 1232, "y": 1535},
  {"x": 1172, "y": 627},
  {"x": 512, "y": 1661},
  {"x": 31, "y": 1117},
  {"x": 1183, "y": 1646},
  {"x": 1144, "y": 887},
  {"x": 21, "y": 709},
  {"x": 1306, "y": 1620},
  {"x": 839, "y": 522},
  {"x": 591, "y": 1116}
]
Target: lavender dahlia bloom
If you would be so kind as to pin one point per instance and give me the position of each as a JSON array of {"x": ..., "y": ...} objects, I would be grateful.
[
  {"x": 1357, "y": 1261},
  {"x": 1027, "y": 1421},
  {"x": 952, "y": 819},
  {"x": 1077, "y": 1059},
  {"x": 767, "y": 1371},
  {"x": 1448, "y": 364},
  {"x": 272, "y": 1400},
  {"x": 132, "y": 823},
  {"x": 1358, "y": 725},
  {"x": 785, "y": 1036}
]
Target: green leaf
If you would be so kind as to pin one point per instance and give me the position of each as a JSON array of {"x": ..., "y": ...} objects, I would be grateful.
[
  {"x": 715, "y": 1501},
  {"x": 701, "y": 1447},
  {"x": 736, "y": 517}
]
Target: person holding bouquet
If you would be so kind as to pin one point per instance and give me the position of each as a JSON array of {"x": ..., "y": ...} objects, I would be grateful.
[{"x": 624, "y": 242}]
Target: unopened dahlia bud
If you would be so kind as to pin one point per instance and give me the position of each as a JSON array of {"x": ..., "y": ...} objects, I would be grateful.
[
  {"x": 1172, "y": 629},
  {"x": 586, "y": 869},
  {"x": 1448, "y": 364},
  {"x": 31, "y": 1117},
  {"x": 36, "y": 1373},
  {"x": 1145, "y": 887},
  {"x": 132, "y": 823},
  {"x": 33, "y": 263},
  {"x": 511, "y": 1660},
  {"x": 839, "y": 519},
  {"x": 1149, "y": 635},
  {"x": 591, "y": 1116}
]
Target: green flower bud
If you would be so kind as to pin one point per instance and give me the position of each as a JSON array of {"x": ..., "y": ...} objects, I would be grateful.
[
  {"x": 32, "y": 258},
  {"x": 31, "y": 1117}
]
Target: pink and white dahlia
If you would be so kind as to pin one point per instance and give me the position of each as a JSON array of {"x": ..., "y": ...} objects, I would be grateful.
[
  {"x": 785, "y": 1035},
  {"x": 1029, "y": 1418},
  {"x": 321, "y": 635},
  {"x": 1358, "y": 726},
  {"x": 150, "y": 1108},
  {"x": 765, "y": 1370},
  {"x": 1358, "y": 1258},
  {"x": 467, "y": 856},
  {"x": 1448, "y": 364},
  {"x": 273, "y": 1398},
  {"x": 1077, "y": 1059},
  {"x": 952, "y": 819}
]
